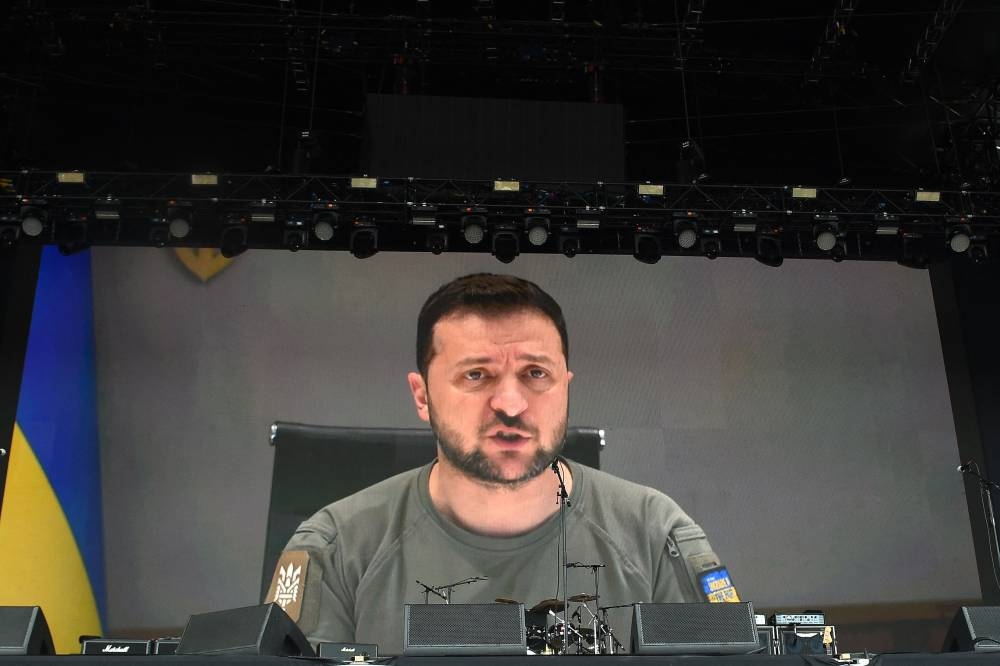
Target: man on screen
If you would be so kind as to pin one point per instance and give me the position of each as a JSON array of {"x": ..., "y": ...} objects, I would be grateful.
[{"x": 493, "y": 382}]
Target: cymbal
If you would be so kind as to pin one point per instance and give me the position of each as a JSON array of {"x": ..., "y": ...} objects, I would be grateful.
[
  {"x": 583, "y": 598},
  {"x": 546, "y": 605},
  {"x": 505, "y": 600}
]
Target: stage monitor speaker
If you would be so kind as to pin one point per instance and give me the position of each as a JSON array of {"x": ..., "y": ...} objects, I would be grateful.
[
  {"x": 23, "y": 630},
  {"x": 695, "y": 628},
  {"x": 975, "y": 628},
  {"x": 264, "y": 629},
  {"x": 469, "y": 629}
]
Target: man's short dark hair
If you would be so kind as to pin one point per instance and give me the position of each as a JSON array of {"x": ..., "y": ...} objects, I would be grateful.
[{"x": 487, "y": 295}]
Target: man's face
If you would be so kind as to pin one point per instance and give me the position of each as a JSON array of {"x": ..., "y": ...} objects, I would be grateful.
[{"x": 496, "y": 395}]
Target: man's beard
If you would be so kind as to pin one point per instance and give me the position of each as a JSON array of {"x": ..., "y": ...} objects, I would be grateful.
[{"x": 476, "y": 465}]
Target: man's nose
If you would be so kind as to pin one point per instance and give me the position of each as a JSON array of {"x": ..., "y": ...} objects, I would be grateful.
[{"x": 508, "y": 398}]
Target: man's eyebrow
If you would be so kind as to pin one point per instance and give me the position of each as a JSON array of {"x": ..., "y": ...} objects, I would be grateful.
[
  {"x": 534, "y": 358},
  {"x": 475, "y": 360}
]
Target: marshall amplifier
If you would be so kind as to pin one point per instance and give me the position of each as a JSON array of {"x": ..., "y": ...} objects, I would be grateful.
[
  {"x": 347, "y": 651},
  {"x": 110, "y": 647}
]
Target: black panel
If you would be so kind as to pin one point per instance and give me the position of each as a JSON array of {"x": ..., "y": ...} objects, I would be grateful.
[
  {"x": 316, "y": 465},
  {"x": 975, "y": 628},
  {"x": 463, "y": 137}
]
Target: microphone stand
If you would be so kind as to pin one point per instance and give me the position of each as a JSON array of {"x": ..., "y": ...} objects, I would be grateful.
[
  {"x": 446, "y": 595},
  {"x": 563, "y": 500},
  {"x": 985, "y": 486}
]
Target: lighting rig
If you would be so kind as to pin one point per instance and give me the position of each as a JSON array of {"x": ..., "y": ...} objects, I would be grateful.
[{"x": 366, "y": 215}]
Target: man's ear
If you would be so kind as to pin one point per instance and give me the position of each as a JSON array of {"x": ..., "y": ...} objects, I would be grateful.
[{"x": 418, "y": 387}]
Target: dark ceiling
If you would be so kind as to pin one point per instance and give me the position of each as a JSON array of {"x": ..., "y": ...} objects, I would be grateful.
[{"x": 883, "y": 94}]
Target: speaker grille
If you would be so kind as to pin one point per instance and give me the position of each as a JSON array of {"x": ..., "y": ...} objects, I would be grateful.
[
  {"x": 465, "y": 629},
  {"x": 702, "y": 628},
  {"x": 984, "y": 627}
]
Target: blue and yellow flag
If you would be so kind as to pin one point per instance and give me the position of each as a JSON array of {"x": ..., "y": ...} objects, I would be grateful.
[{"x": 51, "y": 540}]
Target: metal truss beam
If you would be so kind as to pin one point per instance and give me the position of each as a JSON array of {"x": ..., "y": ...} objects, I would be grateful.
[{"x": 413, "y": 214}]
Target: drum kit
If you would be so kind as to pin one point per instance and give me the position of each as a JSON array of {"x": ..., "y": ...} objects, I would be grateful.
[{"x": 587, "y": 631}]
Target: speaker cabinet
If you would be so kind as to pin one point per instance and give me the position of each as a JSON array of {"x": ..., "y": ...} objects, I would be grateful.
[
  {"x": 23, "y": 630},
  {"x": 975, "y": 628},
  {"x": 470, "y": 629},
  {"x": 698, "y": 628},
  {"x": 262, "y": 629}
]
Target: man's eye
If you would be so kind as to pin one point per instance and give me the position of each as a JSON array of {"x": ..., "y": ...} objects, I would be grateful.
[
  {"x": 537, "y": 373},
  {"x": 474, "y": 375}
]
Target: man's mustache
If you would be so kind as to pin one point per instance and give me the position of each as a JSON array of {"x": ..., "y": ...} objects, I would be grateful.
[{"x": 501, "y": 419}]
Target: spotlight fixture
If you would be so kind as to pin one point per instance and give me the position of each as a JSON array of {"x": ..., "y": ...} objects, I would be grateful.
[
  {"x": 825, "y": 236},
  {"x": 958, "y": 238},
  {"x": 686, "y": 232},
  {"x": 9, "y": 234},
  {"x": 71, "y": 233},
  {"x": 474, "y": 228},
  {"x": 179, "y": 227},
  {"x": 647, "y": 248},
  {"x": 569, "y": 245},
  {"x": 538, "y": 229},
  {"x": 437, "y": 242},
  {"x": 364, "y": 242},
  {"x": 323, "y": 224},
  {"x": 804, "y": 192},
  {"x": 364, "y": 183},
  {"x": 914, "y": 253},
  {"x": 32, "y": 221},
  {"x": 926, "y": 196},
  {"x": 294, "y": 236},
  {"x": 505, "y": 246},
  {"x": 233, "y": 241},
  {"x": 711, "y": 248},
  {"x": 978, "y": 253},
  {"x": 769, "y": 250}
]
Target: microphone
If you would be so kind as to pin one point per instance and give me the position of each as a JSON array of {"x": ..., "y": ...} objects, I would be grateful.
[{"x": 967, "y": 467}]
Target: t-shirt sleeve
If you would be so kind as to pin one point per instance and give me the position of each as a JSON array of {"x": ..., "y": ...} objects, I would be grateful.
[{"x": 329, "y": 615}]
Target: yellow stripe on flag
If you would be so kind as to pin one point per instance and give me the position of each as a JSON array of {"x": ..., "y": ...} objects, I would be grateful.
[{"x": 39, "y": 558}]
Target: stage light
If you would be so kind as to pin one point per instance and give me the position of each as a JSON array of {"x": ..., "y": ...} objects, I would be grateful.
[
  {"x": 914, "y": 253},
  {"x": 364, "y": 183},
  {"x": 506, "y": 186},
  {"x": 233, "y": 241},
  {"x": 505, "y": 246},
  {"x": 687, "y": 234},
  {"x": 364, "y": 243},
  {"x": 978, "y": 253},
  {"x": 9, "y": 234},
  {"x": 769, "y": 251},
  {"x": 804, "y": 192},
  {"x": 179, "y": 228},
  {"x": 71, "y": 233},
  {"x": 710, "y": 247},
  {"x": 958, "y": 238},
  {"x": 32, "y": 221},
  {"x": 538, "y": 230},
  {"x": 651, "y": 189},
  {"x": 437, "y": 242},
  {"x": 825, "y": 236},
  {"x": 474, "y": 228},
  {"x": 569, "y": 245},
  {"x": 647, "y": 248},
  {"x": 323, "y": 224},
  {"x": 202, "y": 179},
  {"x": 70, "y": 177},
  {"x": 294, "y": 236},
  {"x": 926, "y": 196}
]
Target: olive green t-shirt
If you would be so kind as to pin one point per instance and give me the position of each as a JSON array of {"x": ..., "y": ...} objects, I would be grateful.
[{"x": 373, "y": 546}]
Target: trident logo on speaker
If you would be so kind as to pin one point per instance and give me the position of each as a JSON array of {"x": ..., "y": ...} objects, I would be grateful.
[{"x": 287, "y": 589}]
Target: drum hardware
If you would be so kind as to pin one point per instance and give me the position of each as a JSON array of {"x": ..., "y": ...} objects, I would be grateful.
[
  {"x": 505, "y": 600},
  {"x": 583, "y": 598},
  {"x": 548, "y": 606}
]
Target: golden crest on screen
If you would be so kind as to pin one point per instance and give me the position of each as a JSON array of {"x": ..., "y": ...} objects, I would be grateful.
[{"x": 204, "y": 262}]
